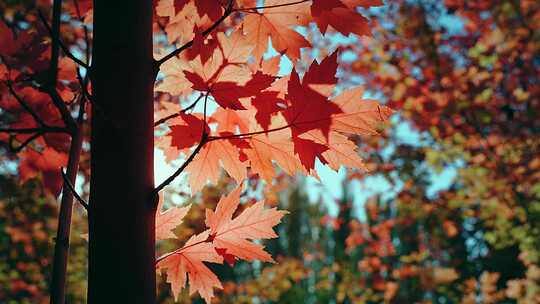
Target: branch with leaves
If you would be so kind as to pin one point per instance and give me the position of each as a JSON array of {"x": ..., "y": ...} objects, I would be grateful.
[
  {"x": 57, "y": 42},
  {"x": 203, "y": 141},
  {"x": 259, "y": 118}
]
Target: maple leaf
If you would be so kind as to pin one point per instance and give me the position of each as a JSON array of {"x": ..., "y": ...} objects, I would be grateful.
[
  {"x": 204, "y": 7},
  {"x": 267, "y": 104},
  {"x": 189, "y": 260},
  {"x": 358, "y": 116},
  {"x": 169, "y": 219},
  {"x": 234, "y": 235},
  {"x": 322, "y": 77},
  {"x": 308, "y": 109},
  {"x": 308, "y": 150},
  {"x": 200, "y": 48},
  {"x": 225, "y": 239},
  {"x": 10, "y": 43},
  {"x": 276, "y": 145},
  {"x": 34, "y": 163},
  {"x": 187, "y": 131},
  {"x": 230, "y": 121},
  {"x": 225, "y": 75},
  {"x": 341, "y": 15},
  {"x": 277, "y": 24},
  {"x": 363, "y": 3},
  {"x": 175, "y": 83},
  {"x": 270, "y": 66},
  {"x": 180, "y": 27},
  {"x": 228, "y": 94},
  {"x": 340, "y": 150},
  {"x": 206, "y": 165},
  {"x": 179, "y": 4}
]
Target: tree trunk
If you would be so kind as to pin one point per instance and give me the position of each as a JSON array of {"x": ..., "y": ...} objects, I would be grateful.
[{"x": 121, "y": 213}]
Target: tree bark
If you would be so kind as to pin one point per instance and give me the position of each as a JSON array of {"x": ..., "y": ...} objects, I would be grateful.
[{"x": 121, "y": 211}]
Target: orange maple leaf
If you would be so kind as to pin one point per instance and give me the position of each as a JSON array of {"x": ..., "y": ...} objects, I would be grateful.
[
  {"x": 234, "y": 235},
  {"x": 206, "y": 165},
  {"x": 226, "y": 238},
  {"x": 189, "y": 261},
  {"x": 169, "y": 219},
  {"x": 278, "y": 24},
  {"x": 276, "y": 146},
  {"x": 360, "y": 116}
]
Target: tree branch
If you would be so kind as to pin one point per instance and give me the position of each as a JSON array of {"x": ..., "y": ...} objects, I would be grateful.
[
  {"x": 228, "y": 11},
  {"x": 204, "y": 140},
  {"x": 23, "y": 144},
  {"x": 61, "y": 106},
  {"x": 25, "y": 105},
  {"x": 85, "y": 28},
  {"x": 35, "y": 130},
  {"x": 59, "y": 265},
  {"x": 191, "y": 106},
  {"x": 58, "y": 42},
  {"x": 72, "y": 189},
  {"x": 243, "y": 9}
]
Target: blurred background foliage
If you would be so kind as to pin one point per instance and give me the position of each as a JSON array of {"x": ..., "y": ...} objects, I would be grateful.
[{"x": 464, "y": 77}]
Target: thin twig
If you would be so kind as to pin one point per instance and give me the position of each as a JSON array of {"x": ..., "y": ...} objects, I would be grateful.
[
  {"x": 83, "y": 82},
  {"x": 204, "y": 140},
  {"x": 184, "y": 165},
  {"x": 35, "y": 130},
  {"x": 55, "y": 45},
  {"x": 72, "y": 189},
  {"x": 179, "y": 250},
  {"x": 66, "y": 51},
  {"x": 212, "y": 138},
  {"x": 85, "y": 28},
  {"x": 204, "y": 111},
  {"x": 23, "y": 144},
  {"x": 61, "y": 106},
  {"x": 242, "y": 9},
  {"x": 191, "y": 106},
  {"x": 228, "y": 11},
  {"x": 25, "y": 105}
]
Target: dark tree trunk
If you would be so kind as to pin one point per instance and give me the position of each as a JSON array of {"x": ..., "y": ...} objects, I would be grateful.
[{"x": 121, "y": 215}]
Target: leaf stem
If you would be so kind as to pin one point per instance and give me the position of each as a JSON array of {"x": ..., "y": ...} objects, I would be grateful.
[
  {"x": 242, "y": 9},
  {"x": 179, "y": 250},
  {"x": 212, "y": 138},
  {"x": 191, "y": 106}
]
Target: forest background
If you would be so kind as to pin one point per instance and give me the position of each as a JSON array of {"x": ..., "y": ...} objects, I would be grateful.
[{"x": 448, "y": 213}]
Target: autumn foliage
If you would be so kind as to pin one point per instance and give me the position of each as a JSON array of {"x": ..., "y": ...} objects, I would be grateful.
[
  {"x": 223, "y": 99},
  {"x": 250, "y": 96}
]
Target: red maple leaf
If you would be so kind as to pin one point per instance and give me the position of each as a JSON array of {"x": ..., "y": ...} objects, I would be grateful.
[
  {"x": 308, "y": 109},
  {"x": 188, "y": 132}
]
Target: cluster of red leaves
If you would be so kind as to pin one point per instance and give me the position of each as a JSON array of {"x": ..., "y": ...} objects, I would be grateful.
[
  {"x": 24, "y": 61},
  {"x": 260, "y": 117},
  {"x": 252, "y": 116},
  {"x": 295, "y": 120}
]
